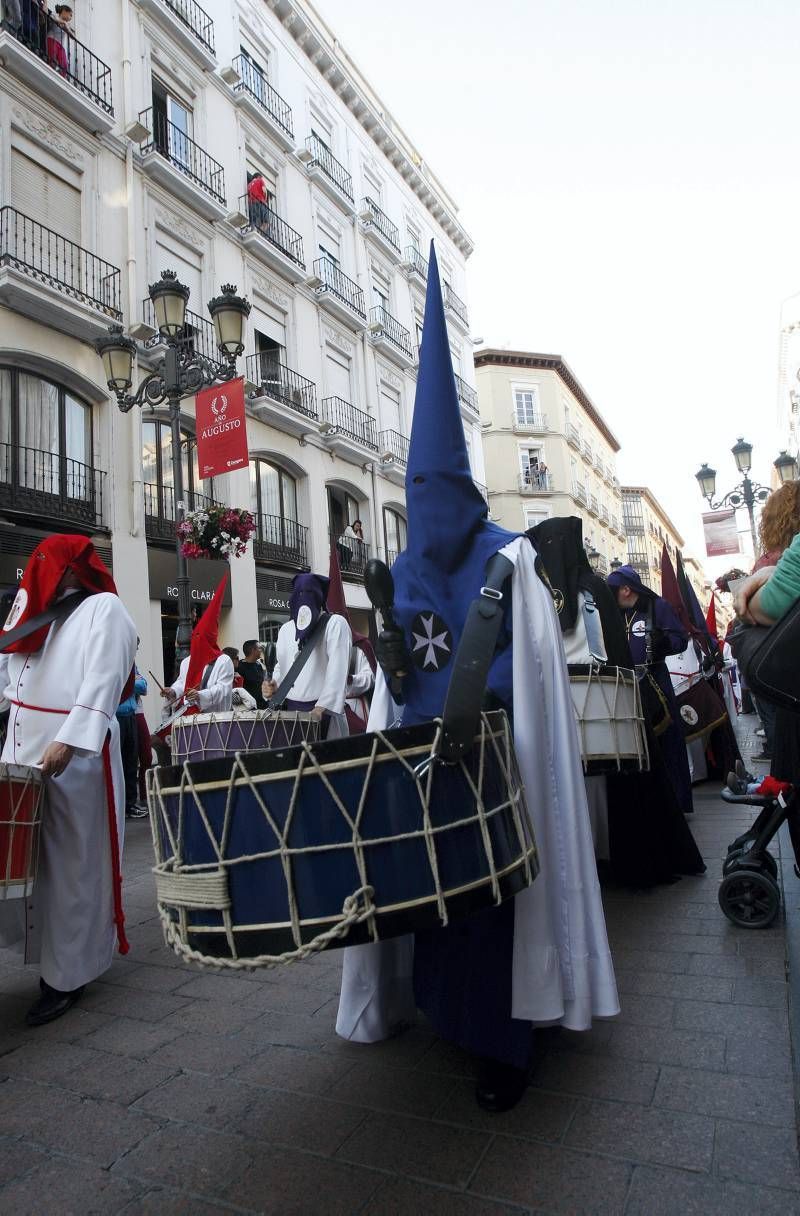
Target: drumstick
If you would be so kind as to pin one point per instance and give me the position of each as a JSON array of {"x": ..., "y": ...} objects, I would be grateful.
[{"x": 161, "y": 687}]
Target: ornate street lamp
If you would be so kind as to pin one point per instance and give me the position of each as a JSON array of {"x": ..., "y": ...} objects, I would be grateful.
[
  {"x": 180, "y": 374},
  {"x": 746, "y": 494},
  {"x": 707, "y": 479},
  {"x": 594, "y": 559},
  {"x": 786, "y": 467},
  {"x": 615, "y": 563}
]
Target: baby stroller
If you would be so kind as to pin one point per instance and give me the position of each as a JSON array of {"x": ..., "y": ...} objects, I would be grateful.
[{"x": 749, "y": 893}]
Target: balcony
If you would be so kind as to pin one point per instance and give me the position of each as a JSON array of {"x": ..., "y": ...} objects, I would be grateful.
[
  {"x": 593, "y": 504},
  {"x": 79, "y": 86},
  {"x": 586, "y": 451},
  {"x": 574, "y": 437},
  {"x": 189, "y": 25},
  {"x": 281, "y": 397},
  {"x": 198, "y": 337},
  {"x": 602, "y": 566},
  {"x": 579, "y": 493},
  {"x": 353, "y": 555},
  {"x": 378, "y": 228},
  {"x": 455, "y": 309},
  {"x": 527, "y": 422},
  {"x": 271, "y": 240},
  {"x": 281, "y": 542},
  {"x": 337, "y": 294},
  {"x": 255, "y": 95},
  {"x": 616, "y": 525},
  {"x": 534, "y": 482},
  {"x": 348, "y": 431},
  {"x": 388, "y": 335},
  {"x": 331, "y": 176},
  {"x": 55, "y": 281},
  {"x": 159, "y": 509},
  {"x": 393, "y": 449},
  {"x": 174, "y": 160},
  {"x": 604, "y": 516},
  {"x": 414, "y": 266},
  {"x": 467, "y": 395},
  {"x": 50, "y": 487}
]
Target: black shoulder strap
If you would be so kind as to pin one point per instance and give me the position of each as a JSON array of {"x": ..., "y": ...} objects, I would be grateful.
[
  {"x": 462, "y": 707},
  {"x": 207, "y": 675},
  {"x": 58, "y": 612},
  {"x": 303, "y": 655}
]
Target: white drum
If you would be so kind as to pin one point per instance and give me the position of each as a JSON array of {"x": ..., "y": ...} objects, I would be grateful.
[
  {"x": 213, "y": 736},
  {"x": 608, "y": 711}
]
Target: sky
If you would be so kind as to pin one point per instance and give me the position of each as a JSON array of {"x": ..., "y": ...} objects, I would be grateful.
[{"x": 629, "y": 174}]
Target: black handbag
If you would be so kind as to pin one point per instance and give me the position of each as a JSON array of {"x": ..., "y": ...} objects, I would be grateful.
[{"x": 769, "y": 659}]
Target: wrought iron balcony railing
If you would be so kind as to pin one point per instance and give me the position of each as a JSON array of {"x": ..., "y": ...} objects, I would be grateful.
[
  {"x": 602, "y": 565},
  {"x": 323, "y": 158},
  {"x": 337, "y": 283},
  {"x": 195, "y": 19},
  {"x": 49, "y": 257},
  {"x": 466, "y": 393},
  {"x": 347, "y": 419},
  {"x": 527, "y": 420},
  {"x": 274, "y": 379},
  {"x": 416, "y": 261},
  {"x": 50, "y": 485},
  {"x": 280, "y": 540},
  {"x": 353, "y": 554},
  {"x": 395, "y": 445},
  {"x": 455, "y": 304},
  {"x": 579, "y": 491},
  {"x": 159, "y": 508},
  {"x": 534, "y": 479},
  {"x": 389, "y": 231},
  {"x": 390, "y": 328},
  {"x": 253, "y": 81},
  {"x": 182, "y": 152},
  {"x": 198, "y": 335},
  {"x": 269, "y": 225},
  {"x": 71, "y": 59},
  {"x": 573, "y": 436}
]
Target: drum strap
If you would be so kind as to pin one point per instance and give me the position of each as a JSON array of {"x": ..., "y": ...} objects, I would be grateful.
[
  {"x": 303, "y": 655},
  {"x": 462, "y": 707},
  {"x": 58, "y": 612}
]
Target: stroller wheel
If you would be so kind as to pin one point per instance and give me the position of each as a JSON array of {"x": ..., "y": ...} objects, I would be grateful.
[
  {"x": 737, "y": 859},
  {"x": 749, "y": 898}
]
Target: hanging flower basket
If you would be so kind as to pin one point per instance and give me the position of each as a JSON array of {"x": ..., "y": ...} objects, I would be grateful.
[{"x": 216, "y": 532}]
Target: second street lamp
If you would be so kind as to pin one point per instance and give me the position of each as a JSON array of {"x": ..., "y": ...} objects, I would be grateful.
[{"x": 180, "y": 374}]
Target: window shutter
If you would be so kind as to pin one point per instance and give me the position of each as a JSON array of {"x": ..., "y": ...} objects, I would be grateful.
[{"x": 44, "y": 197}]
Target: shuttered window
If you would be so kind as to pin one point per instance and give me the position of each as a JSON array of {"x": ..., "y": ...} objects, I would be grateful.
[
  {"x": 44, "y": 197},
  {"x": 170, "y": 255},
  {"x": 337, "y": 377}
]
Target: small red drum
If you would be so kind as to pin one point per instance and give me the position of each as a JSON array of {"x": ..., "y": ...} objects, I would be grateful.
[
  {"x": 21, "y": 800},
  {"x": 214, "y": 736}
]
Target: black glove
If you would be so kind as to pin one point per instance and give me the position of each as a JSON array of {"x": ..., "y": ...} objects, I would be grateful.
[
  {"x": 708, "y": 665},
  {"x": 658, "y": 643},
  {"x": 392, "y": 653}
]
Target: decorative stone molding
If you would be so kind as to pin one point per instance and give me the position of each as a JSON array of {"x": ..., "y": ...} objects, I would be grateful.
[
  {"x": 177, "y": 226},
  {"x": 388, "y": 376},
  {"x": 49, "y": 135},
  {"x": 338, "y": 340},
  {"x": 268, "y": 289}
]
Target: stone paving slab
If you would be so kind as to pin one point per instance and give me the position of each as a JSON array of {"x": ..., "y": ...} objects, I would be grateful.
[{"x": 176, "y": 1092}]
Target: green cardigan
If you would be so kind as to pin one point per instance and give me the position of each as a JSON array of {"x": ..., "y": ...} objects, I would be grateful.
[{"x": 778, "y": 595}]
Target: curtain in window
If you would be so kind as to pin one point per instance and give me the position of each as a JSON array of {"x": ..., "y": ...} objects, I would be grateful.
[
  {"x": 78, "y": 448},
  {"x": 38, "y": 434},
  {"x": 5, "y": 426}
]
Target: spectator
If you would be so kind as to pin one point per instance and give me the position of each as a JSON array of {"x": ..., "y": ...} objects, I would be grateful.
[
  {"x": 252, "y": 671},
  {"x": 59, "y": 29},
  {"x": 129, "y": 747},
  {"x": 258, "y": 201},
  {"x": 12, "y": 14},
  {"x": 144, "y": 750},
  {"x": 233, "y": 655}
]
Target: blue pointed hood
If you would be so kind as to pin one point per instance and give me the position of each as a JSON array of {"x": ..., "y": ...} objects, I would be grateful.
[{"x": 450, "y": 538}]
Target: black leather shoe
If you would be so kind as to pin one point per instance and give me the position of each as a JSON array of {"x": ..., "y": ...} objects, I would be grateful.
[
  {"x": 52, "y": 1004},
  {"x": 499, "y": 1086}
]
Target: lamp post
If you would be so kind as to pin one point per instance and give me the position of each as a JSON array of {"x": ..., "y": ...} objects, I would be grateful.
[
  {"x": 748, "y": 492},
  {"x": 615, "y": 563},
  {"x": 180, "y": 374}
]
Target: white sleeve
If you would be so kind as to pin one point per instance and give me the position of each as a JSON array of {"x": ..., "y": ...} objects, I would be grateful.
[
  {"x": 216, "y": 697},
  {"x": 337, "y": 642},
  {"x": 108, "y": 655},
  {"x": 362, "y": 679},
  {"x": 179, "y": 687},
  {"x": 4, "y": 704}
]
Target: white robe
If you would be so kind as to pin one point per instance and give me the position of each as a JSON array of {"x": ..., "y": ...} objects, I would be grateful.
[
  {"x": 362, "y": 678},
  {"x": 323, "y": 680},
  {"x": 217, "y": 696},
  {"x": 562, "y": 968},
  {"x": 82, "y": 667}
]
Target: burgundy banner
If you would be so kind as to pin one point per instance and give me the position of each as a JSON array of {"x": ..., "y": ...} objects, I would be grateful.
[{"x": 221, "y": 429}]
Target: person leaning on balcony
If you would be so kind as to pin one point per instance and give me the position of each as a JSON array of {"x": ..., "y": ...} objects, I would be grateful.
[
  {"x": 258, "y": 200},
  {"x": 59, "y": 28}
]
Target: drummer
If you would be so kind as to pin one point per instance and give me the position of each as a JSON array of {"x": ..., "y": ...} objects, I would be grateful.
[{"x": 320, "y": 687}]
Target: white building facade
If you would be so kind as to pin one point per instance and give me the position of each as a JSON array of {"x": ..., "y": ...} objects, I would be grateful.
[{"x": 130, "y": 153}]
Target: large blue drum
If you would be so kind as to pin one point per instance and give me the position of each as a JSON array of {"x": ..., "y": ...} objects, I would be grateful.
[{"x": 265, "y": 857}]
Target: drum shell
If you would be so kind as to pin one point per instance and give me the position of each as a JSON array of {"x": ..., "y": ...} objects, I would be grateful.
[
  {"x": 700, "y": 710},
  {"x": 213, "y": 736},
  {"x": 610, "y": 719},
  {"x": 21, "y": 803},
  {"x": 394, "y": 856}
]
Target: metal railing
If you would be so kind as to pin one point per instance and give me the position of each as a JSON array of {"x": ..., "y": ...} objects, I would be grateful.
[
  {"x": 182, "y": 152},
  {"x": 534, "y": 479},
  {"x": 615, "y": 524},
  {"x": 522, "y": 420},
  {"x": 415, "y": 260},
  {"x": 353, "y": 554},
  {"x": 269, "y": 225},
  {"x": 573, "y": 436},
  {"x": 70, "y": 58},
  {"x": 587, "y": 450},
  {"x": 380, "y": 220},
  {"x": 198, "y": 337},
  {"x": 455, "y": 304},
  {"x": 253, "y": 81},
  {"x": 338, "y": 284},
  {"x": 466, "y": 393},
  {"x": 579, "y": 491},
  {"x": 638, "y": 559},
  {"x": 602, "y": 565},
  {"x": 347, "y": 419},
  {"x": 594, "y": 504},
  {"x": 482, "y": 489},
  {"x": 391, "y": 329},
  {"x": 274, "y": 379},
  {"x": 323, "y": 158},
  {"x": 49, "y": 257},
  {"x": 280, "y": 540},
  {"x": 159, "y": 508},
  {"x": 50, "y": 485},
  {"x": 604, "y": 514},
  {"x": 195, "y": 19},
  {"x": 394, "y": 445}
]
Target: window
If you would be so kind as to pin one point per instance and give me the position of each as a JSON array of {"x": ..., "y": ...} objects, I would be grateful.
[
  {"x": 526, "y": 406},
  {"x": 535, "y": 515},
  {"x": 273, "y": 498},
  {"x": 531, "y": 467},
  {"x": 45, "y": 197},
  {"x": 380, "y": 293},
  {"x": 338, "y": 382},
  {"x": 413, "y": 237},
  {"x": 395, "y": 533},
  {"x": 159, "y": 496},
  {"x": 390, "y": 409},
  {"x": 172, "y": 125},
  {"x": 172, "y": 254},
  {"x": 343, "y": 511},
  {"x": 254, "y": 76}
]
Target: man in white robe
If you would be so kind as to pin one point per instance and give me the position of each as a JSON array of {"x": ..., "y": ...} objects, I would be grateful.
[
  {"x": 216, "y": 696},
  {"x": 359, "y": 685},
  {"x": 62, "y": 698}
]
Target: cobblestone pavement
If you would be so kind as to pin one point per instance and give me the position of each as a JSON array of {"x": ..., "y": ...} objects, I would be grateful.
[{"x": 172, "y": 1091}]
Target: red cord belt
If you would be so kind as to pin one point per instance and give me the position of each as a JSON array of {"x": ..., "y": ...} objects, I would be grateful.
[{"x": 113, "y": 835}]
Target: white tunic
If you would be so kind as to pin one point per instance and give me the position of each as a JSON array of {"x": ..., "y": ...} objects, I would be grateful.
[
  {"x": 323, "y": 680},
  {"x": 217, "y": 696},
  {"x": 360, "y": 683},
  {"x": 562, "y": 968},
  {"x": 82, "y": 668}
]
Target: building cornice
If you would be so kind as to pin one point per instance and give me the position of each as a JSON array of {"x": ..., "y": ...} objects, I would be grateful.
[
  {"x": 646, "y": 493},
  {"x": 332, "y": 61},
  {"x": 490, "y": 357}
]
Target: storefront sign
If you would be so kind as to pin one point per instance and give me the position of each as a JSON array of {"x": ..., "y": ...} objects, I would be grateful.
[
  {"x": 720, "y": 532},
  {"x": 16, "y": 546},
  {"x": 204, "y": 577},
  {"x": 221, "y": 429}
]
